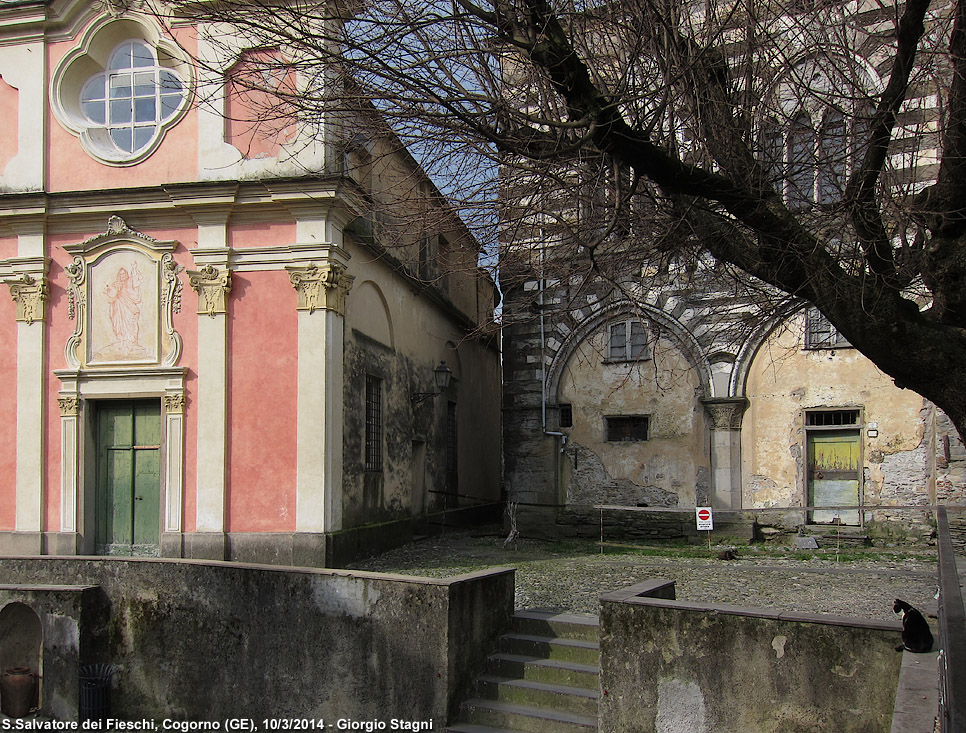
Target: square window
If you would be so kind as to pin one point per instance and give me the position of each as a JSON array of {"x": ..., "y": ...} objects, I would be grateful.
[
  {"x": 820, "y": 333},
  {"x": 627, "y": 341},
  {"x": 625, "y": 428}
]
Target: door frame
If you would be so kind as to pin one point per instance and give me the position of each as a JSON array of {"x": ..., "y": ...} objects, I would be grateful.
[
  {"x": 857, "y": 427},
  {"x": 80, "y": 389}
]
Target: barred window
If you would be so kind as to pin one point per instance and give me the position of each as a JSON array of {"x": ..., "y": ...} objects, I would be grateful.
[
  {"x": 566, "y": 416},
  {"x": 373, "y": 448},
  {"x": 625, "y": 428}
]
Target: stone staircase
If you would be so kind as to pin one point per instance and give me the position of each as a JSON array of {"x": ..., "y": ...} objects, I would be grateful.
[{"x": 543, "y": 678}]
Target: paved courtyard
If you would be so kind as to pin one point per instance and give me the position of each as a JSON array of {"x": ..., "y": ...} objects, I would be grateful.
[{"x": 571, "y": 575}]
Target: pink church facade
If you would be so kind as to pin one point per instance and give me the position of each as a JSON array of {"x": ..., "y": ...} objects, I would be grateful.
[{"x": 199, "y": 357}]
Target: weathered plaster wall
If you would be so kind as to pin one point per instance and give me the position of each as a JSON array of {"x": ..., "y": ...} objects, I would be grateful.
[
  {"x": 398, "y": 334},
  {"x": 200, "y": 641},
  {"x": 676, "y": 667},
  {"x": 785, "y": 379},
  {"x": 665, "y": 469}
]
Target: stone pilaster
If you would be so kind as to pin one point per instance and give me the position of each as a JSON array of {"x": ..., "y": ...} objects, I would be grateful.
[
  {"x": 321, "y": 291},
  {"x": 725, "y": 417}
]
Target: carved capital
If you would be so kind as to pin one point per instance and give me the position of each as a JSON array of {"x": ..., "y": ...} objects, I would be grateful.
[
  {"x": 174, "y": 402},
  {"x": 725, "y": 413},
  {"x": 30, "y": 294},
  {"x": 321, "y": 287},
  {"x": 212, "y": 287},
  {"x": 69, "y": 406}
]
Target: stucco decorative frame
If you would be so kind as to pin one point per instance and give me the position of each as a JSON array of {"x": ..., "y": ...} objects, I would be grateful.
[
  {"x": 82, "y": 382},
  {"x": 87, "y": 254}
]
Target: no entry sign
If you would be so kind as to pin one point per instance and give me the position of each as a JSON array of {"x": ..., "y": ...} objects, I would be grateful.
[{"x": 704, "y": 518}]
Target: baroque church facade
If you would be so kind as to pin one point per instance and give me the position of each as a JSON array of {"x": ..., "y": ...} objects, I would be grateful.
[{"x": 205, "y": 353}]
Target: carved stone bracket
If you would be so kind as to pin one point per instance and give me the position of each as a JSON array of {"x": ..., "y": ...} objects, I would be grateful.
[
  {"x": 69, "y": 406},
  {"x": 174, "y": 403},
  {"x": 212, "y": 287},
  {"x": 726, "y": 412},
  {"x": 321, "y": 287},
  {"x": 30, "y": 294}
]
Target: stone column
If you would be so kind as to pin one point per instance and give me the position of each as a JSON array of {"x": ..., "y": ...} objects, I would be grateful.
[
  {"x": 321, "y": 293},
  {"x": 725, "y": 415}
]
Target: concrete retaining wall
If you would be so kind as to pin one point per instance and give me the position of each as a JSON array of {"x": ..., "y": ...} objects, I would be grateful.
[
  {"x": 685, "y": 668},
  {"x": 209, "y": 641}
]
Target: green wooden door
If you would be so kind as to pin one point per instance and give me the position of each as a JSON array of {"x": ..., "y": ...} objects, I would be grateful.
[
  {"x": 833, "y": 475},
  {"x": 128, "y": 492}
]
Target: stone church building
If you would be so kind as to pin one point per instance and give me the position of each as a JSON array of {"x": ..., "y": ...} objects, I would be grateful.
[
  {"x": 206, "y": 351},
  {"x": 670, "y": 384}
]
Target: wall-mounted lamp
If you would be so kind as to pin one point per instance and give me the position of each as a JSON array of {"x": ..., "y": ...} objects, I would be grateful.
[{"x": 441, "y": 375}]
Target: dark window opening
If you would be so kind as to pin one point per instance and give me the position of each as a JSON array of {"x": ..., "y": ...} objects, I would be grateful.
[
  {"x": 826, "y": 418},
  {"x": 452, "y": 456},
  {"x": 625, "y": 428},
  {"x": 820, "y": 333},
  {"x": 627, "y": 341},
  {"x": 566, "y": 416},
  {"x": 373, "y": 448}
]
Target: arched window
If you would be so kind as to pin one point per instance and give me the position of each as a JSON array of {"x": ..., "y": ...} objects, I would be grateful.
[
  {"x": 133, "y": 97},
  {"x": 810, "y": 159}
]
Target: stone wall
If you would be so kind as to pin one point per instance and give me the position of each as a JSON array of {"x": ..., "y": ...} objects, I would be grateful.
[
  {"x": 206, "y": 641},
  {"x": 687, "y": 668}
]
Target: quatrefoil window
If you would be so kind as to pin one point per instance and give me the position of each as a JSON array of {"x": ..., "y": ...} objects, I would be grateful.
[
  {"x": 120, "y": 90},
  {"x": 133, "y": 98}
]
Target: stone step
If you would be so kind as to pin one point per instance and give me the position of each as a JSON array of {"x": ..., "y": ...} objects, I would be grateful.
[
  {"x": 582, "y": 701},
  {"x": 540, "y": 669},
  {"x": 517, "y": 717},
  {"x": 571, "y": 650},
  {"x": 549, "y": 624}
]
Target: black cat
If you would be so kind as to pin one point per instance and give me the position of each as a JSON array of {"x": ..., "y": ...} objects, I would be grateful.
[{"x": 916, "y": 636}]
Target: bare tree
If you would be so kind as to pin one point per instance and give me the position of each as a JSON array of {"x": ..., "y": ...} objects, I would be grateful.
[{"x": 818, "y": 146}]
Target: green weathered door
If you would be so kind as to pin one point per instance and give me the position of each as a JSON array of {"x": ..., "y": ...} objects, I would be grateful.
[
  {"x": 833, "y": 475},
  {"x": 128, "y": 492}
]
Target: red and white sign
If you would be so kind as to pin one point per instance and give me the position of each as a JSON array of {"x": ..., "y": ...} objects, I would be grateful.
[{"x": 704, "y": 518}]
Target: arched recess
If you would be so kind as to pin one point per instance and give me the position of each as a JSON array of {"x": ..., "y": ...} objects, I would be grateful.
[
  {"x": 738, "y": 385},
  {"x": 688, "y": 343},
  {"x": 21, "y": 638},
  {"x": 370, "y": 314}
]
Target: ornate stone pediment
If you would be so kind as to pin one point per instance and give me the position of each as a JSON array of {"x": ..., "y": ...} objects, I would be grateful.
[{"x": 124, "y": 291}]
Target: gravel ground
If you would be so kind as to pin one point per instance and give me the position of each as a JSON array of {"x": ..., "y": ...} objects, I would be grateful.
[{"x": 571, "y": 575}]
